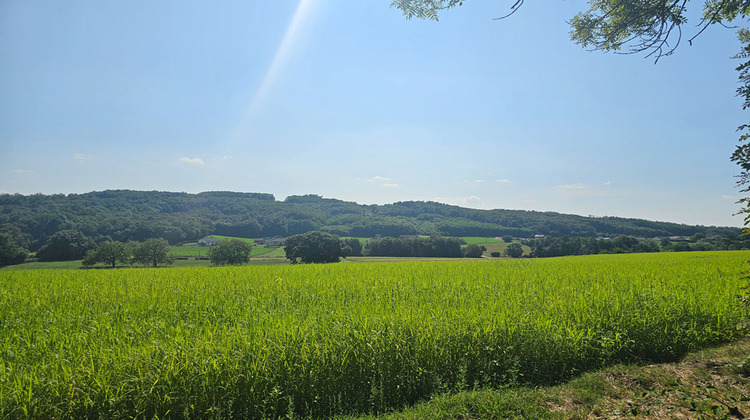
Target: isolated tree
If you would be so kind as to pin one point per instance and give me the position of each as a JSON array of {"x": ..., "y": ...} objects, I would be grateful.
[
  {"x": 514, "y": 250},
  {"x": 230, "y": 252},
  {"x": 315, "y": 247},
  {"x": 153, "y": 252},
  {"x": 109, "y": 252},
  {"x": 507, "y": 238},
  {"x": 10, "y": 252},
  {"x": 472, "y": 251},
  {"x": 65, "y": 245}
]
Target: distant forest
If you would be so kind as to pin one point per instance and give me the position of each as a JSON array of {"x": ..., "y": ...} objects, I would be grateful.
[{"x": 125, "y": 215}]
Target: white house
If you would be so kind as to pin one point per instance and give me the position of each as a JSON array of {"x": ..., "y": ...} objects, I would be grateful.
[{"x": 208, "y": 241}]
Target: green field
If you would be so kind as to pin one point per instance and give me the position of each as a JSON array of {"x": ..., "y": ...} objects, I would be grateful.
[
  {"x": 257, "y": 251},
  {"x": 202, "y": 251},
  {"x": 500, "y": 247},
  {"x": 248, "y": 240},
  {"x": 399, "y": 259},
  {"x": 189, "y": 251},
  {"x": 54, "y": 265},
  {"x": 481, "y": 241},
  {"x": 491, "y": 244},
  {"x": 316, "y": 340}
]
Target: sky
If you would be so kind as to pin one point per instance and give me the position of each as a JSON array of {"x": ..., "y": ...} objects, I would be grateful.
[{"x": 350, "y": 100}]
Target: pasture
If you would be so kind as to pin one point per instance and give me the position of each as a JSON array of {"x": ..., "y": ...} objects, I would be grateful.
[
  {"x": 481, "y": 240},
  {"x": 318, "y": 340}
]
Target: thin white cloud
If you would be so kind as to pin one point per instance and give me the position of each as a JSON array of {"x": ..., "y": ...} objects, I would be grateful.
[
  {"x": 81, "y": 158},
  {"x": 22, "y": 171},
  {"x": 608, "y": 183},
  {"x": 730, "y": 197},
  {"x": 478, "y": 181},
  {"x": 583, "y": 190},
  {"x": 502, "y": 181},
  {"x": 577, "y": 186},
  {"x": 382, "y": 180},
  {"x": 459, "y": 201},
  {"x": 192, "y": 161}
]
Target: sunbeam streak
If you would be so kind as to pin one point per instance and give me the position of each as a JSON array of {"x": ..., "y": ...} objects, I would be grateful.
[{"x": 283, "y": 53}]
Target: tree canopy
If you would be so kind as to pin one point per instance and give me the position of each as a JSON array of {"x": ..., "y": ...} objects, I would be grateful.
[
  {"x": 514, "y": 250},
  {"x": 434, "y": 246},
  {"x": 473, "y": 251},
  {"x": 153, "y": 251},
  {"x": 741, "y": 155},
  {"x": 651, "y": 26},
  {"x": 124, "y": 215},
  {"x": 230, "y": 252},
  {"x": 315, "y": 247},
  {"x": 110, "y": 253},
  {"x": 65, "y": 245},
  {"x": 10, "y": 251},
  {"x": 626, "y": 26}
]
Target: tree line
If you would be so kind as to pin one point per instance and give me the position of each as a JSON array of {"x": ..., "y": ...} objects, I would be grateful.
[
  {"x": 564, "y": 246},
  {"x": 125, "y": 215},
  {"x": 324, "y": 247},
  {"x": 156, "y": 251},
  {"x": 435, "y": 246}
]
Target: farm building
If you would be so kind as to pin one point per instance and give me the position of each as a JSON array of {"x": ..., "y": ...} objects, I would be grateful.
[
  {"x": 272, "y": 242},
  {"x": 208, "y": 241}
]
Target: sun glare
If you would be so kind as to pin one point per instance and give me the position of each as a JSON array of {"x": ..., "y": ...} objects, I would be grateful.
[{"x": 283, "y": 53}]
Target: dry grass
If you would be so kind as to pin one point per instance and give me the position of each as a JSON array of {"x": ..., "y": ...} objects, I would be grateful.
[{"x": 707, "y": 384}]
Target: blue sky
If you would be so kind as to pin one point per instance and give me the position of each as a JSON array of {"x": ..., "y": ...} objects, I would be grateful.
[{"x": 349, "y": 100}]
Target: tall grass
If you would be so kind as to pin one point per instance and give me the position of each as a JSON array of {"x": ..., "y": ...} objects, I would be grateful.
[{"x": 253, "y": 342}]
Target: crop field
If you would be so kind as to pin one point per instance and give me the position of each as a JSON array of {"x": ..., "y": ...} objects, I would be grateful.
[
  {"x": 316, "y": 340},
  {"x": 55, "y": 265}
]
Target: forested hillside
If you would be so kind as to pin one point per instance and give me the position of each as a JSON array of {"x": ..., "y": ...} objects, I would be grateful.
[{"x": 125, "y": 215}]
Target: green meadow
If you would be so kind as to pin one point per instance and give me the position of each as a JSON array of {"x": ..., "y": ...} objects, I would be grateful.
[
  {"x": 481, "y": 241},
  {"x": 320, "y": 340},
  {"x": 260, "y": 251}
]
